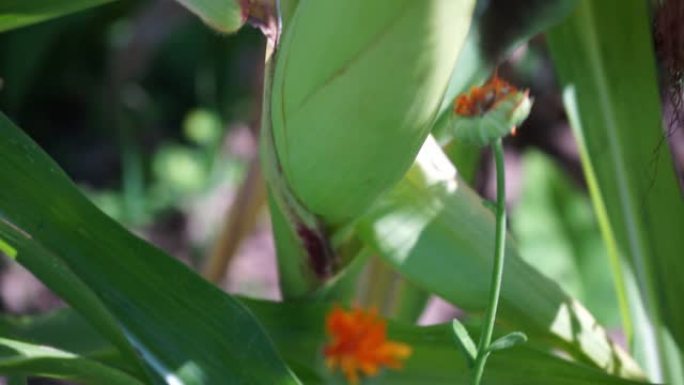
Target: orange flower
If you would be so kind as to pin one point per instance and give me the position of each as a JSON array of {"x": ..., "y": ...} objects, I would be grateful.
[
  {"x": 479, "y": 100},
  {"x": 359, "y": 344}
]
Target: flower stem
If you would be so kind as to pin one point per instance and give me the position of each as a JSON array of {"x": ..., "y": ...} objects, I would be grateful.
[{"x": 497, "y": 273}]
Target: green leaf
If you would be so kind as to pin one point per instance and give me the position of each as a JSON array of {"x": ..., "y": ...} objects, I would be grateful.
[
  {"x": 557, "y": 232},
  {"x": 222, "y": 15},
  {"x": 287, "y": 10},
  {"x": 297, "y": 329},
  {"x": 19, "y": 13},
  {"x": 185, "y": 330},
  {"x": 464, "y": 342},
  {"x": 605, "y": 60},
  {"x": 435, "y": 230},
  {"x": 508, "y": 341},
  {"x": 7, "y": 249},
  {"x": 66, "y": 330},
  {"x": 52, "y": 271},
  {"x": 20, "y": 358}
]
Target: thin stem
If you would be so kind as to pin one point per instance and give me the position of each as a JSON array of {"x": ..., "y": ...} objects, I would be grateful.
[
  {"x": 239, "y": 222},
  {"x": 497, "y": 273}
]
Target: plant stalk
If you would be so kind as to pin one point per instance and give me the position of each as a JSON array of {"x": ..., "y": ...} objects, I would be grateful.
[{"x": 497, "y": 273}]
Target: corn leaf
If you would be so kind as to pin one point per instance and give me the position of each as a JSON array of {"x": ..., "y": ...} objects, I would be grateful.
[
  {"x": 19, "y": 358},
  {"x": 438, "y": 233},
  {"x": 53, "y": 272},
  {"x": 65, "y": 330},
  {"x": 297, "y": 328},
  {"x": 557, "y": 233},
  {"x": 604, "y": 57},
  {"x": 224, "y": 16},
  {"x": 19, "y": 13},
  {"x": 186, "y": 330}
]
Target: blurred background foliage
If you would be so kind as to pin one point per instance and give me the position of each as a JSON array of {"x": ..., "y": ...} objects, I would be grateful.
[{"x": 147, "y": 109}]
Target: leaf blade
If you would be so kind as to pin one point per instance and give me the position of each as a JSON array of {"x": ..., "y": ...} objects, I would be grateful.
[
  {"x": 464, "y": 341},
  {"x": 20, "y": 13},
  {"x": 224, "y": 16},
  {"x": 22, "y": 358},
  {"x": 298, "y": 329},
  {"x": 184, "y": 328},
  {"x": 608, "y": 72},
  {"x": 436, "y": 231}
]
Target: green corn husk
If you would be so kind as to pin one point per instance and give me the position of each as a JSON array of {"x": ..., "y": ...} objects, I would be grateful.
[{"x": 356, "y": 89}]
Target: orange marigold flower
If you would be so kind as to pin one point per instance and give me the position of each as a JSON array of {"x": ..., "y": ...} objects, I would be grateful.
[
  {"x": 479, "y": 100},
  {"x": 359, "y": 344}
]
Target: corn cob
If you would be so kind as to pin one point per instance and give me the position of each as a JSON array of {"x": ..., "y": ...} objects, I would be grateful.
[{"x": 356, "y": 89}]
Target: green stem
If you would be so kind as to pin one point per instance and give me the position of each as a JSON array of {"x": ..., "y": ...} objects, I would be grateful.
[{"x": 497, "y": 273}]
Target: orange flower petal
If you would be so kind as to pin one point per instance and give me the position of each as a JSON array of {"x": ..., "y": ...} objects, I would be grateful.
[
  {"x": 479, "y": 100},
  {"x": 358, "y": 344}
]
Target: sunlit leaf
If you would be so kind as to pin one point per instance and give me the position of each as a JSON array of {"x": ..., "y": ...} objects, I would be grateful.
[{"x": 438, "y": 233}]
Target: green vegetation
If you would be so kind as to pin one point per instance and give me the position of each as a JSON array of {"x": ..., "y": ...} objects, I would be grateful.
[{"x": 361, "y": 125}]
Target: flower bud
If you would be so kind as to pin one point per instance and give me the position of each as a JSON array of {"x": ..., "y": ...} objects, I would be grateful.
[
  {"x": 356, "y": 90},
  {"x": 489, "y": 112}
]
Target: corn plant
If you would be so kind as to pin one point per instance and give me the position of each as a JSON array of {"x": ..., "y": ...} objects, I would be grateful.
[{"x": 369, "y": 109}]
